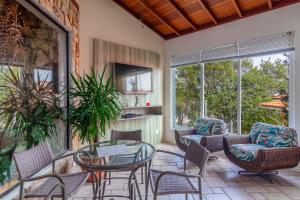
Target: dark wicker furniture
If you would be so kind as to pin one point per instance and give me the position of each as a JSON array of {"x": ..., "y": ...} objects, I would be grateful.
[
  {"x": 212, "y": 142},
  {"x": 168, "y": 182},
  {"x": 267, "y": 160},
  {"x": 55, "y": 185}
]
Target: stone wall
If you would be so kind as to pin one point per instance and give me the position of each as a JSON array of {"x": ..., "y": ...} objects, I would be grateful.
[{"x": 67, "y": 12}]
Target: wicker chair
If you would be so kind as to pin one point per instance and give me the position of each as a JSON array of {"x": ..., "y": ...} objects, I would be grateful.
[
  {"x": 213, "y": 141},
  {"x": 266, "y": 160},
  {"x": 126, "y": 135},
  {"x": 60, "y": 186},
  {"x": 168, "y": 182}
]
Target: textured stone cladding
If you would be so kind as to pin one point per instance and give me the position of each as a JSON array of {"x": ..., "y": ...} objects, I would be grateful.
[{"x": 67, "y": 12}]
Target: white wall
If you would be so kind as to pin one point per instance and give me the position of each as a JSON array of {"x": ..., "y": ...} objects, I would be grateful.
[
  {"x": 104, "y": 19},
  {"x": 269, "y": 23}
]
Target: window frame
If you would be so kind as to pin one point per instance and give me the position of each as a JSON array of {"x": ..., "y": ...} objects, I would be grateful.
[{"x": 237, "y": 62}]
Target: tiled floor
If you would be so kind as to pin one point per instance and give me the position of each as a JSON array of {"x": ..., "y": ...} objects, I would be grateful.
[{"x": 221, "y": 181}]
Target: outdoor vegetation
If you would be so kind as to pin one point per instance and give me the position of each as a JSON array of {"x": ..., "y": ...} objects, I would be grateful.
[{"x": 266, "y": 82}]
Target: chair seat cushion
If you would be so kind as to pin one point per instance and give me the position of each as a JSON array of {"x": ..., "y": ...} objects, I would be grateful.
[
  {"x": 72, "y": 183},
  {"x": 172, "y": 184},
  {"x": 186, "y": 139},
  {"x": 245, "y": 152}
]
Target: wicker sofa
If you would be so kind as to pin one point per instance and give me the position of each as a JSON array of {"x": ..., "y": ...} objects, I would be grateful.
[
  {"x": 208, "y": 132},
  {"x": 267, "y": 148}
]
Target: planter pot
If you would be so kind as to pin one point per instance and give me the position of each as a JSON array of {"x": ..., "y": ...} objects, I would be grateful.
[{"x": 95, "y": 161}]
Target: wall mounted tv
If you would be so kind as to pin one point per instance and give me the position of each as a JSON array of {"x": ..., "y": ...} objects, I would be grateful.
[{"x": 131, "y": 79}]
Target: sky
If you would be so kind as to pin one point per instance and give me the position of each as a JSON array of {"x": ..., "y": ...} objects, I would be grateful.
[{"x": 257, "y": 60}]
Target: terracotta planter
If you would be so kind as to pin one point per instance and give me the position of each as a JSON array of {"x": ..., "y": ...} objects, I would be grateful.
[{"x": 95, "y": 161}]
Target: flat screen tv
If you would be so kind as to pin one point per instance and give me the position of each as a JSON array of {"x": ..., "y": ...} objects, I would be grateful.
[{"x": 131, "y": 79}]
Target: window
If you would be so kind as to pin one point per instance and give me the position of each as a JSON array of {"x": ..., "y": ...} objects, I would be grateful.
[
  {"x": 220, "y": 92},
  {"x": 265, "y": 93},
  {"x": 41, "y": 51},
  {"x": 187, "y": 94},
  {"x": 242, "y": 83}
]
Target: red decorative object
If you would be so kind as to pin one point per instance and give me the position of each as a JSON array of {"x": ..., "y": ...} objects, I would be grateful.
[{"x": 147, "y": 103}]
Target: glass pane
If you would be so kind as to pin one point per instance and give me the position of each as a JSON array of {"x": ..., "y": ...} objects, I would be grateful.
[
  {"x": 35, "y": 51},
  {"x": 187, "y": 94},
  {"x": 265, "y": 90},
  {"x": 221, "y": 93}
]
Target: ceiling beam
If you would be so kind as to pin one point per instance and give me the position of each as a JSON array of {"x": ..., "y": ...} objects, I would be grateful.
[
  {"x": 118, "y": 2},
  {"x": 183, "y": 14},
  {"x": 157, "y": 15},
  {"x": 202, "y": 4},
  {"x": 270, "y": 4},
  {"x": 237, "y": 8}
]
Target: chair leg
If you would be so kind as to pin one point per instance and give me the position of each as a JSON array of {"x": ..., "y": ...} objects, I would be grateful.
[
  {"x": 186, "y": 196},
  {"x": 264, "y": 175},
  {"x": 142, "y": 175},
  {"x": 200, "y": 189},
  {"x": 109, "y": 180}
]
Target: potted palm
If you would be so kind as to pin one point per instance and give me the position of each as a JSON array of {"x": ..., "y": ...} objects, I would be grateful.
[{"x": 95, "y": 104}]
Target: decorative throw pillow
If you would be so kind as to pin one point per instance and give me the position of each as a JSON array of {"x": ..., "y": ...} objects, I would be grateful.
[
  {"x": 255, "y": 131},
  {"x": 287, "y": 137},
  {"x": 274, "y": 136},
  {"x": 219, "y": 127},
  {"x": 203, "y": 126}
]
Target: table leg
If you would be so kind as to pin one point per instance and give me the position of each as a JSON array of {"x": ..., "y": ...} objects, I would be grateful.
[{"x": 147, "y": 179}]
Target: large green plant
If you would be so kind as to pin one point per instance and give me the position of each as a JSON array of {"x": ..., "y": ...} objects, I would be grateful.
[
  {"x": 30, "y": 107},
  {"x": 95, "y": 105}
]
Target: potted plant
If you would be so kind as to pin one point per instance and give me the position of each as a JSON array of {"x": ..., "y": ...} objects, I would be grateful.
[
  {"x": 30, "y": 107},
  {"x": 95, "y": 104}
]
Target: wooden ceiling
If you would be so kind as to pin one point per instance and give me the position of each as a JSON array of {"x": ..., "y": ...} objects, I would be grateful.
[{"x": 174, "y": 18}]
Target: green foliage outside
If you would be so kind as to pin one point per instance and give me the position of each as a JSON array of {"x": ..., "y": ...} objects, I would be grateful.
[{"x": 259, "y": 84}]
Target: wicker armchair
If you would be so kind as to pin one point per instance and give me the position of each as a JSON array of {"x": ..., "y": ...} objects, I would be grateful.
[
  {"x": 168, "y": 182},
  {"x": 212, "y": 140},
  {"x": 266, "y": 159},
  {"x": 55, "y": 185}
]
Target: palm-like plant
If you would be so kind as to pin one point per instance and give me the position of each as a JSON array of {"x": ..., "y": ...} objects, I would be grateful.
[
  {"x": 95, "y": 105},
  {"x": 30, "y": 107}
]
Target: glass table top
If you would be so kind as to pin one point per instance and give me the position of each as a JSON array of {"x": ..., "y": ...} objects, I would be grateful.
[{"x": 113, "y": 155}]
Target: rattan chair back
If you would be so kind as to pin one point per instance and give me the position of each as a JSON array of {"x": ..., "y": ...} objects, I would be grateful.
[
  {"x": 33, "y": 160},
  {"x": 126, "y": 135},
  {"x": 198, "y": 155}
]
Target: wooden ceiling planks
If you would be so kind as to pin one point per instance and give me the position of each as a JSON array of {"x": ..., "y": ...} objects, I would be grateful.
[{"x": 173, "y": 18}]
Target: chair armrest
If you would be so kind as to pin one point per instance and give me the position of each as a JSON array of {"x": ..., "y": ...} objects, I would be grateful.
[
  {"x": 236, "y": 139},
  {"x": 184, "y": 131},
  {"x": 43, "y": 177},
  {"x": 59, "y": 158},
  {"x": 279, "y": 154},
  {"x": 171, "y": 153},
  {"x": 213, "y": 142}
]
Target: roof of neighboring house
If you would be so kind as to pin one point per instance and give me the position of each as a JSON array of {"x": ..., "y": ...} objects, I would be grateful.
[{"x": 274, "y": 104}]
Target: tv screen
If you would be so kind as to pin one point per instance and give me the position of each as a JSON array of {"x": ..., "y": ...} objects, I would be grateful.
[{"x": 132, "y": 79}]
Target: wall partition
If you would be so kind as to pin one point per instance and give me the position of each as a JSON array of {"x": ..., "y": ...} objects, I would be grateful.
[{"x": 242, "y": 83}]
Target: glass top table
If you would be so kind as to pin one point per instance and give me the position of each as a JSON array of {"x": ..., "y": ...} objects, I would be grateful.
[{"x": 114, "y": 155}]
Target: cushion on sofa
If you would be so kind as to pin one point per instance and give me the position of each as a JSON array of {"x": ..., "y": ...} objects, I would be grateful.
[
  {"x": 274, "y": 136},
  {"x": 188, "y": 138},
  {"x": 219, "y": 127},
  {"x": 255, "y": 129},
  {"x": 203, "y": 126},
  {"x": 245, "y": 152}
]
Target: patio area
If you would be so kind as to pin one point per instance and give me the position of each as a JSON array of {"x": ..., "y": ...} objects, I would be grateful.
[{"x": 221, "y": 181}]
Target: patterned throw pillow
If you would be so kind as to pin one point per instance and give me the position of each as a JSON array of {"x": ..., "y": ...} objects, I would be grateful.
[
  {"x": 255, "y": 131},
  {"x": 274, "y": 136},
  {"x": 203, "y": 126},
  {"x": 219, "y": 127}
]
